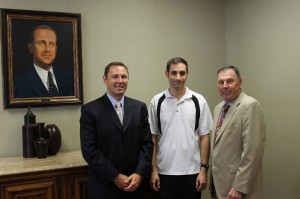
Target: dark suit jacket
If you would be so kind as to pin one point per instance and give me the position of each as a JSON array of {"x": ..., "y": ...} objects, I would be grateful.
[
  {"x": 29, "y": 84},
  {"x": 110, "y": 148}
]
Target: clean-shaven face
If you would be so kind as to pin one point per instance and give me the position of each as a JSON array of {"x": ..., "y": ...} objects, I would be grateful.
[
  {"x": 177, "y": 76},
  {"x": 116, "y": 81},
  {"x": 229, "y": 85},
  {"x": 44, "y": 48}
]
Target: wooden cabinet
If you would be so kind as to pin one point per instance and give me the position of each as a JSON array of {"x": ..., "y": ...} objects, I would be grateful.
[
  {"x": 65, "y": 183},
  {"x": 62, "y": 176},
  {"x": 31, "y": 189}
]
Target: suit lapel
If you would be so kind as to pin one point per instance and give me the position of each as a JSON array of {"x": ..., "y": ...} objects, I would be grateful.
[
  {"x": 228, "y": 116},
  {"x": 128, "y": 111},
  {"x": 59, "y": 79},
  {"x": 33, "y": 78}
]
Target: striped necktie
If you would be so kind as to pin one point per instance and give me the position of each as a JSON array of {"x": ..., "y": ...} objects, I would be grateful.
[{"x": 52, "y": 88}]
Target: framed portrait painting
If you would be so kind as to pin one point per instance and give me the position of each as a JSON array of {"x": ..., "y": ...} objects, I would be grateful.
[{"x": 41, "y": 58}]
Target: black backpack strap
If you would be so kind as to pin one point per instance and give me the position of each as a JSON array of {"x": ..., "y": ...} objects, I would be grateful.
[
  {"x": 196, "y": 102},
  {"x": 161, "y": 99}
]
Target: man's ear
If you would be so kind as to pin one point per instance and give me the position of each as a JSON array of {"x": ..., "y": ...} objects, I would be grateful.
[
  {"x": 241, "y": 82},
  {"x": 30, "y": 47},
  {"x": 104, "y": 79},
  {"x": 167, "y": 74}
]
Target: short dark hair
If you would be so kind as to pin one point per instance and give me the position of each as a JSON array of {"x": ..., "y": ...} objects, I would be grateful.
[
  {"x": 236, "y": 70},
  {"x": 115, "y": 63},
  {"x": 176, "y": 60},
  {"x": 31, "y": 39}
]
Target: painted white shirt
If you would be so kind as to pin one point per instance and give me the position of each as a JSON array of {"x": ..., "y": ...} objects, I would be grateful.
[{"x": 44, "y": 76}]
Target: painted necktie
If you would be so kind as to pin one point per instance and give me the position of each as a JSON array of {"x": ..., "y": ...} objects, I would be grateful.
[{"x": 52, "y": 88}]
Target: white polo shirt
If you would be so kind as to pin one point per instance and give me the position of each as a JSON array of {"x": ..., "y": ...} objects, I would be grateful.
[{"x": 178, "y": 149}]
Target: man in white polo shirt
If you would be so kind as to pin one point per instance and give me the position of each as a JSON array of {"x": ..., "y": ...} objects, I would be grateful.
[{"x": 180, "y": 122}]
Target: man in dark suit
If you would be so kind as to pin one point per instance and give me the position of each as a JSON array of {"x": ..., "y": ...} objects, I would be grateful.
[
  {"x": 117, "y": 146},
  {"x": 35, "y": 82}
]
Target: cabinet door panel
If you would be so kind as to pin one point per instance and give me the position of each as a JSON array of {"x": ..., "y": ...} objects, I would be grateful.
[
  {"x": 44, "y": 189},
  {"x": 81, "y": 187}
]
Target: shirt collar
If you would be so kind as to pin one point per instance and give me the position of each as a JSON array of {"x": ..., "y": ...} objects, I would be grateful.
[
  {"x": 114, "y": 101},
  {"x": 40, "y": 70},
  {"x": 232, "y": 102},
  {"x": 188, "y": 94},
  {"x": 43, "y": 74}
]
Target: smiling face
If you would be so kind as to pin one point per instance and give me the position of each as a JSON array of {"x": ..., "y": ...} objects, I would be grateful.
[
  {"x": 229, "y": 85},
  {"x": 43, "y": 48},
  {"x": 116, "y": 81}
]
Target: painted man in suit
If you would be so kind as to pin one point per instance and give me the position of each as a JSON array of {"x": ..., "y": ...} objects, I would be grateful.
[
  {"x": 35, "y": 81},
  {"x": 118, "y": 151},
  {"x": 238, "y": 143}
]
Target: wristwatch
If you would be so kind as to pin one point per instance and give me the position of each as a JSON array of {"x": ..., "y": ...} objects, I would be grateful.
[{"x": 205, "y": 166}]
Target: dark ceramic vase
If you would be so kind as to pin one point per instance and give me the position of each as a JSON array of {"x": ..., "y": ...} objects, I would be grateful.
[
  {"x": 41, "y": 146},
  {"x": 52, "y": 133},
  {"x": 29, "y": 133},
  {"x": 41, "y": 129}
]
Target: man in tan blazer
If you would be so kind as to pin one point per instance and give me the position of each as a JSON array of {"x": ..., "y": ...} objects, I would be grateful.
[{"x": 238, "y": 145}]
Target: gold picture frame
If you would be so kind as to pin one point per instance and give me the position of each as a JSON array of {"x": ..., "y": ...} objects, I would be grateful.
[{"x": 17, "y": 28}]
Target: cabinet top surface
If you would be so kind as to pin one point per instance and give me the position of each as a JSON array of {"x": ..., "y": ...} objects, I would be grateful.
[{"x": 15, "y": 165}]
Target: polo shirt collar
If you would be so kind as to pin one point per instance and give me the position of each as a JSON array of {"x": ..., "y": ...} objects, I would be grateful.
[{"x": 188, "y": 94}]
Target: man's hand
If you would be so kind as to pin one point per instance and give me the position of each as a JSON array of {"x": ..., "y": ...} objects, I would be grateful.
[
  {"x": 133, "y": 182},
  {"x": 120, "y": 181},
  {"x": 201, "y": 181},
  {"x": 234, "y": 194},
  {"x": 154, "y": 181}
]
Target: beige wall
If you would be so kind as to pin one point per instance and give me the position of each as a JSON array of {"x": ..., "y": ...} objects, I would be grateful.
[
  {"x": 142, "y": 34},
  {"x": 262, "y": 37}
]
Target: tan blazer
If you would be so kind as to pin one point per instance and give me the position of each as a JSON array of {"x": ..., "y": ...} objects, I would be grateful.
[{"x": 238, "y": 150}]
